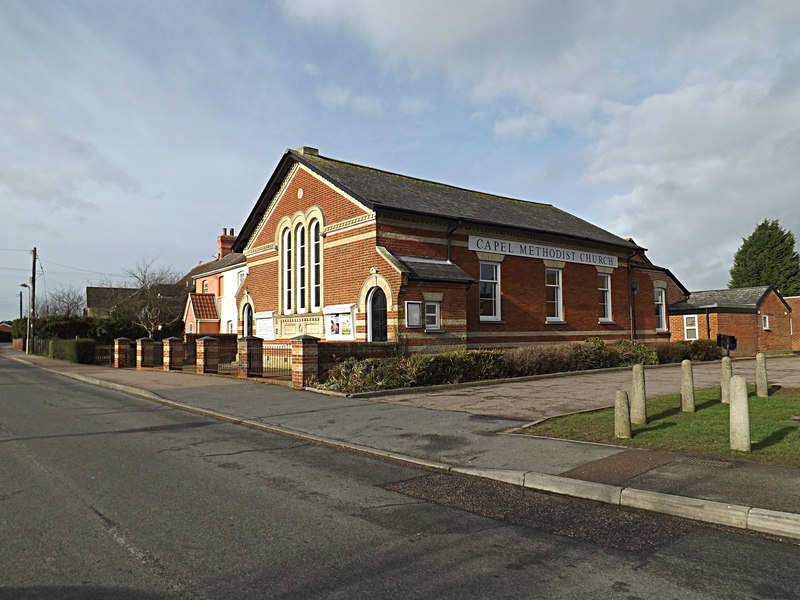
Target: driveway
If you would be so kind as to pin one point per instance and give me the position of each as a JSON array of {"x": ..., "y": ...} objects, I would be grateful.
[{"x": 552, "y": 395}]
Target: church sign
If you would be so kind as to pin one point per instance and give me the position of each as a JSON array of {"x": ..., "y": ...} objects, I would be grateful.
[{"x": 512, "y": 248}]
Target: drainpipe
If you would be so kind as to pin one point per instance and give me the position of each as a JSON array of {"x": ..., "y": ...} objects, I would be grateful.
[
  {"x": 708, "y": 325},
  {"x": 631, "y": 313},
  {"x": 450, "y": 239}
]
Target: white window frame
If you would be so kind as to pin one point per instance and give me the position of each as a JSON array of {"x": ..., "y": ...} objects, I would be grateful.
[
  {"x": 605, "y": 290},
  {"x": 436, "y": 324},
  {"x": 205, "y": 286},
  {"x": 190, "y": 328},
  {"x": 687, "y": 327},
  {"x": 240, "y": 278},
  {"x": 316, "y": 267},
  {"x": 302, "y": 262},
  {"x": 495, "y": 283},
  {"x": 286, "y": 251},
  {"x": 559, "y": 302},
  {"x": 414, "y": 315},
  {"x": 765, "y": 322},
  {"x": 660, "y": 302}
]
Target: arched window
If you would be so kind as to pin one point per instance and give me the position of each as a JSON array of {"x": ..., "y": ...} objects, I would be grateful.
[
  {"x": 316, "y": 268},
  {"x": 287, "y": 271},
  {"x": 301, "y": 269}
]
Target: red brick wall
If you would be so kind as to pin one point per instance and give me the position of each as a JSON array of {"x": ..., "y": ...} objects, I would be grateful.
[
  {"x": 778, "y": 336},
  {"x": 794, "y": 304}
]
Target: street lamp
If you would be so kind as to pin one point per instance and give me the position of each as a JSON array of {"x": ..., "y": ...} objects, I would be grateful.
[{"x": 28, "y": 341}]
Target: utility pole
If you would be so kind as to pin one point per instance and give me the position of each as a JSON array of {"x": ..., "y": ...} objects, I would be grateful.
[{"x": 33, "y": 285}]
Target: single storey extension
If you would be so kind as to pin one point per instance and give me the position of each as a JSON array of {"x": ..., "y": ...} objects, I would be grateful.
[{"x": 346, "y": 252}]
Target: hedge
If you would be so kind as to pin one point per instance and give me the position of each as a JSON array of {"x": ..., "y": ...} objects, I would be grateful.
[
  {"x": 77, "y": 351},
  {"x": 372, "y": 374}
]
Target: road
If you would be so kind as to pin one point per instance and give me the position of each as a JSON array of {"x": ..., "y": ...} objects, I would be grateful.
[{"x": 107, "y": 496}]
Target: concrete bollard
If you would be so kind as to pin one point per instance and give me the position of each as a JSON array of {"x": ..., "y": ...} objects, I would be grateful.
[
  {"x": 638, "y": 397},
  {"x": 622, "y": 416},
  {"x": 725, "y": 383},
  {"x": 762, "y": 386},
  {"x": 740, "y": 415},
  {"x": 687, "y": 387}
]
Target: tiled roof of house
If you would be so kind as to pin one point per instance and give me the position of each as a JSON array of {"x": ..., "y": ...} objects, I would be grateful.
[
  {"x": 204, "y": 305},
  {"x": 229, "y": 261},
  {"x": 385, "y": 191},
  {"x": 744, "y": 298},
  {"x": 433, "y": 269}
]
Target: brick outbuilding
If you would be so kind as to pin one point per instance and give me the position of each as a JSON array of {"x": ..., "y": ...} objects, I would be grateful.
[
  {"x": 345, "y": 252},
  {"x": 759, "y": 318}
]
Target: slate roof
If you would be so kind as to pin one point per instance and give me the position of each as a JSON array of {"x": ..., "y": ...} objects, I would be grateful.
[
  {"x": 204, "y": 306},
  {"x": 747, "y": 298},
  {"x": 385, "y": 191},
  {"x": 433, "y": 269},
  {"x": 229, "y": 261}
]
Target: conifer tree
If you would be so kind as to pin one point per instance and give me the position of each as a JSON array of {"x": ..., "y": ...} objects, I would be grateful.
[{"x": 767, "y": 257}]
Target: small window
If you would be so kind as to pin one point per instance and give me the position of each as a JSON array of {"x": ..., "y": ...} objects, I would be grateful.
[
  {"x": 191, "y": 328},
  {"x": 604, "y": 289},
  {"x": 413, "y": 315},
  {"x": 489, "y": 292},
  {"x": 661, "y": 317},
  {"x": 230, "y": 326},
  {"x": 432, "y": 315},
  {"x": 553, "y": 294},
  {"x": 765, "y": 322},
  {"x": 205, "y": 286},
  {"x": 241, "y": 278},
  {"x": 690, "y": 327}
]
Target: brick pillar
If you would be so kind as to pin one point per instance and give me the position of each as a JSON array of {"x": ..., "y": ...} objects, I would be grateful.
[
  {"x": 207, "y": 354},
  {"x": 144, "y": 353},
  {"x": 250, "y": 356},
  {"x": 305, "y": 360},
  {"x": 121, "y": 348},
  {"x": 173, "y": 354}
]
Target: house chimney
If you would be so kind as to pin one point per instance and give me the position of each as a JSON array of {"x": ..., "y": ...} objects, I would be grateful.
[
  {"x": 225, "y": 243},
  {"x": 308, "y": 151}
]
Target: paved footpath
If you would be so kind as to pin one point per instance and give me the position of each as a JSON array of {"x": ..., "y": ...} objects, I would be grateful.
[{"x": 465, "y": 429}]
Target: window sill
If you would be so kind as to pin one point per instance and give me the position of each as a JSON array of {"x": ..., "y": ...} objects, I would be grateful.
[
  {"x": 606, "y": 322},
  {"x": 492, "y": 322},
  {"x": 555, "y": 322},
  {"x": 434, "y": 331}
]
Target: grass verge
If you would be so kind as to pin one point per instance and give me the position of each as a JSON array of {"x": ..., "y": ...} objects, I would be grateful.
[{"x": 775, "y": 438}]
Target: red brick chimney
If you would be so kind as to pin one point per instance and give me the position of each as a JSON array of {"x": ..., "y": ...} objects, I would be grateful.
[{"x": 225, "y": 242}]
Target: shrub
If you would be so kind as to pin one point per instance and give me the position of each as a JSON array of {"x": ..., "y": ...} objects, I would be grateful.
[
  {"x": 538, "y": 360},
  {"x": 593, "y": 354},
  {"x": 455, "y": 367},
  {"x": 370, "y": 374},
  {"x": 633, "y": 353},
  {"x": 19, "y": 328},
  {"x": 672, "y": 352},
  {"x": 77, "y": 351},
  {"x": 704, "y": 350}
]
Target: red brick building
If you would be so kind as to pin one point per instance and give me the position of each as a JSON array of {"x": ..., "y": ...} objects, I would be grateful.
[
  {"x": 794, "y": 325},
  {"x": 346, "y": 252},
  {"x": 759, "y": 318}
]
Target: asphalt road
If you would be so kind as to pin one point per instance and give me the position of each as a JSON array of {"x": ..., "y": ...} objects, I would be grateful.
[{"x": 107, "y": 496}]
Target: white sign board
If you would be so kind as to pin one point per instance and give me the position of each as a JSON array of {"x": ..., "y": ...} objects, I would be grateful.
[
  {"x": 340, "y": 322},
  {"x": 512, "y": 248},
  {"x": 265, "y": 325}
]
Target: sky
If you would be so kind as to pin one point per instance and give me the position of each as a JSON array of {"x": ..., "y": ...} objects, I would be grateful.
[{"x": 134, "y": 131}]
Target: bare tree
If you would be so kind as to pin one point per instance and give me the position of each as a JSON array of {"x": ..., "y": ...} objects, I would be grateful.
[
  {"x": 158, "y": 300},
  {"x": 64, "y": 301}
]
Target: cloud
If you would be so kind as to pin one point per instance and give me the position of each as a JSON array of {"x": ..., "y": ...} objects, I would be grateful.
[
  {"x": 687, "y": 111},
  {"x": 337, "y": 96},
  {"x": 51, "y": 168}
]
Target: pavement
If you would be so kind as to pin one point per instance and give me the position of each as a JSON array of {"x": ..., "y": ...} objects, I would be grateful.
[{"x": 468, "y": 429}]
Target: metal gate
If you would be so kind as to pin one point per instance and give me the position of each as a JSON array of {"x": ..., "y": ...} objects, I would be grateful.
[{"x": 277, "y": 362}]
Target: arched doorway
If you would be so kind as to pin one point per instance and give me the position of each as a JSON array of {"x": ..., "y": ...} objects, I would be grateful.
[
  {"x": 377, "y": 331},
  {"x": 247, "y": 320}
]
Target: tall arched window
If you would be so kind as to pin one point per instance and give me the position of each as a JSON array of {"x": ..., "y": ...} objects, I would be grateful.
[
  {"x": 316, "y": 268},
  {"x": 287, "y": 271},
  {"x": 301, "y": 269}
]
